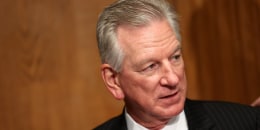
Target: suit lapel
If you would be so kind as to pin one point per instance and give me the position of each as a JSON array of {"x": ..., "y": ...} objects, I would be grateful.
[
  {"x": 121, "y": 122},
  {"x": 197, "y": 116}
]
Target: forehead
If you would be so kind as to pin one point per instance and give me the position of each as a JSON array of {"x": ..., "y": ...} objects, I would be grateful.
[{"x": 132, "y": 38}]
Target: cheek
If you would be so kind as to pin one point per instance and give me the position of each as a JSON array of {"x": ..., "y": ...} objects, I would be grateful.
[
  {"x": 182, "y": 75},
  {"x": 139, "y": 84},
  {"x": 180, "y": 71},
  {"x": 183, "y": 83}
]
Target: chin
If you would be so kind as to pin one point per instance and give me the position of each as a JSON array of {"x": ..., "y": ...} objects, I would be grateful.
[
  {"x": 172, "y": 111},
  {"x": 177, "y": 109}
]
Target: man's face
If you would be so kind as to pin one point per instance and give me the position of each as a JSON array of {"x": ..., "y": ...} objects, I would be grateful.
[{"x": 152, "y": 77}]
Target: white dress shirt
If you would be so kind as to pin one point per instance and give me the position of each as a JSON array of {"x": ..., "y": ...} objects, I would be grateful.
[{"x": 178, "y": 122}]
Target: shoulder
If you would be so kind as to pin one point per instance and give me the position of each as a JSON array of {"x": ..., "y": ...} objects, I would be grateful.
[
  {"x": 116, "y": 123},
  {"x": 221, "y": 106},
  {"x": 232, "y": 115}
]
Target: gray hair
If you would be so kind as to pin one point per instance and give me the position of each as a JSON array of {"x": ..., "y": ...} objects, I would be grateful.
[{"x": 129, "y": 12}]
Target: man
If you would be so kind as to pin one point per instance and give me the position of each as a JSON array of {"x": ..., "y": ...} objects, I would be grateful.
[{"x": 140, "y": 47}]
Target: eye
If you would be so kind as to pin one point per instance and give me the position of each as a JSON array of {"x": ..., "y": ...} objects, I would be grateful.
[
  {"x": 151, "y": 67},
  {"x": 176, "y": 57}
]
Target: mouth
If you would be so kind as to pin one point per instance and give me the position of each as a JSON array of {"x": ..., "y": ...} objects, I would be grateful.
[
  {"x": 170, "y": 99},
  {"x": 169, "y": 96}
]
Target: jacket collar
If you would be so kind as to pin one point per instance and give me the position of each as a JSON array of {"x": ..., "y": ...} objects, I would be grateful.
[{"x": 197, "y": 116}]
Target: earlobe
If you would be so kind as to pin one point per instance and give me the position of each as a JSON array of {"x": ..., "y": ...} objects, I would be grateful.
[{"x": 110, "y": 78}]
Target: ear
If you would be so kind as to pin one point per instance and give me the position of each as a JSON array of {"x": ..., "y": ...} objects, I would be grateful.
[{"x": 110, "y": 78}]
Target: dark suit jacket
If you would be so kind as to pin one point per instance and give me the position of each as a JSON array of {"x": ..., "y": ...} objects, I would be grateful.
[{"x": 206, "y": 115}]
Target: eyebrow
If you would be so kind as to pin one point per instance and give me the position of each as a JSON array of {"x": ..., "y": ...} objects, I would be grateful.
[{"x": 179, "y": 47}]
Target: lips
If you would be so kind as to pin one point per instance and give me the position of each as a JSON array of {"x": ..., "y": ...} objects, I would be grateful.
[{"x": 169, "y": 95}]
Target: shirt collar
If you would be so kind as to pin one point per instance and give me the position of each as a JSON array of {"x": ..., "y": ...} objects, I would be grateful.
[{"x": 177, "y": 122}]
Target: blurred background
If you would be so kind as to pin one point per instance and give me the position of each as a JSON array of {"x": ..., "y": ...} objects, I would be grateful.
[{"x": 50, "y": 67}]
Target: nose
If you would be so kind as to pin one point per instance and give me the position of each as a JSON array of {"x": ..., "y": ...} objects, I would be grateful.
[{"x": 169, "y": 77}]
